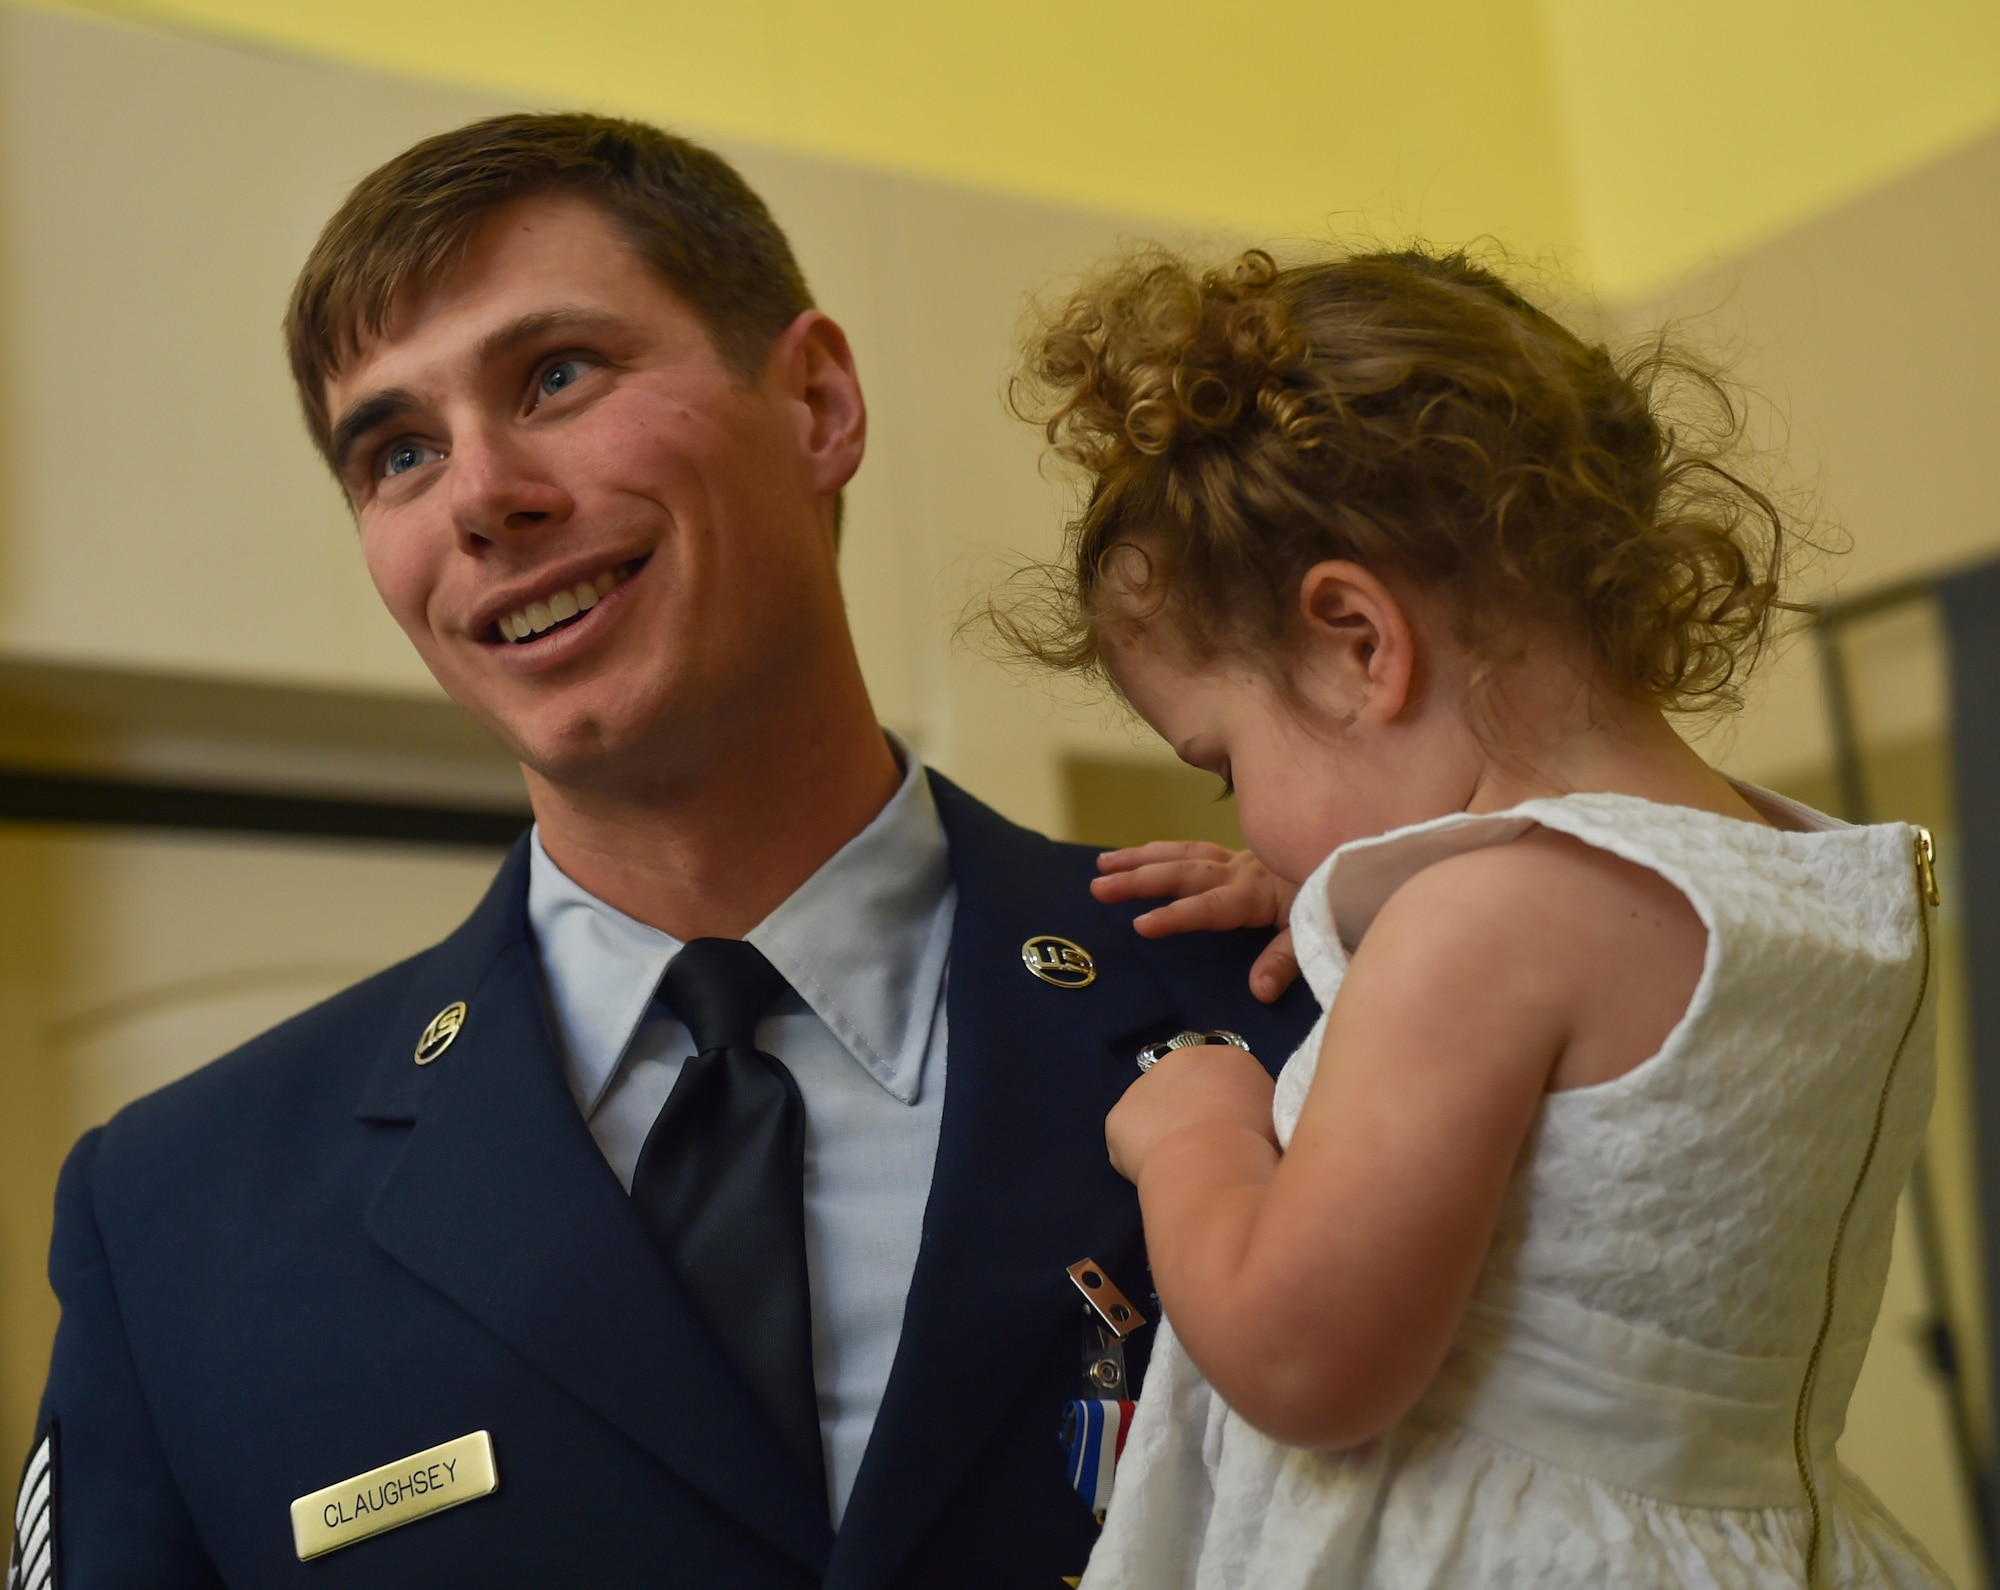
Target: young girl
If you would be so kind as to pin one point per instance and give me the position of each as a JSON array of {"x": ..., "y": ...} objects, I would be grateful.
[{"x": 1552, "y": 1259}]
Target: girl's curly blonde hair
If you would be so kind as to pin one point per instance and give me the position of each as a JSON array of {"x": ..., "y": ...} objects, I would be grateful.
[{"x": 1413, "y": 412}]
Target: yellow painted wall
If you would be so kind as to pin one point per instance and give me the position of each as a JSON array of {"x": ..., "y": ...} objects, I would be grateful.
[
  {"x": 1697, "y": 128},
  {"x": 1434, "y": 112},
  {"x": 1632, "y": 142}
]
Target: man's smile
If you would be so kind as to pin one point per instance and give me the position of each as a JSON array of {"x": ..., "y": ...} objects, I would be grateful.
[
  {"x": 561, "y": 604},
  {"x": 541, "y": 621}
]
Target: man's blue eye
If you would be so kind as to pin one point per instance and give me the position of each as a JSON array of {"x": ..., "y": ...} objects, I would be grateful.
[
  {"x": 402, "y": 457},
  {"x": 564, "y": 372}
]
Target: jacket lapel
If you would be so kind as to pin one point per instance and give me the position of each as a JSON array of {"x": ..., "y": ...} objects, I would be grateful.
[
  {"x": 1022, "y": 1187},
  {"x": 502, "y": 1202}
]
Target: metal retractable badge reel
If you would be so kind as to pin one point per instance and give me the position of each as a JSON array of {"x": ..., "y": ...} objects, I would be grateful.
[{"x": 1153, "y": 1053}]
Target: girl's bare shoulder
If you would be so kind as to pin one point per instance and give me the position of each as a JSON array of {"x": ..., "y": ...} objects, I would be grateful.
[
  {"x": 1542, "y": 879},
  {"x": 1607, "y": 950}
]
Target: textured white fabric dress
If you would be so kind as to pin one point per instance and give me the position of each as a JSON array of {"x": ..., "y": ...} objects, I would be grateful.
[{"x": 1661, "y": 1312}]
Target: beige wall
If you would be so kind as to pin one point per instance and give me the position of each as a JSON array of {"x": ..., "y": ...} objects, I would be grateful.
[{"x": 1871, "y": 335}]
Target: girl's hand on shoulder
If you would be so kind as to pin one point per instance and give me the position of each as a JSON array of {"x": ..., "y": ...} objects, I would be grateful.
[
  {"x": 1200, "y": 1092},
  {"x": 1211, "y": 890}
]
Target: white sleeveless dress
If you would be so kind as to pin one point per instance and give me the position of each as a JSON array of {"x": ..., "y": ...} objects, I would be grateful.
[{"x": 1619, "y": 1405}]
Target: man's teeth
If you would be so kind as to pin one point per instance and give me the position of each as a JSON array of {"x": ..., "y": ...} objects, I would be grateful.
[{"x": 561, "y": 607}]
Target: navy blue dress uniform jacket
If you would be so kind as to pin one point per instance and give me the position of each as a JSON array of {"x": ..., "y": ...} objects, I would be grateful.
[{"x": 315, "y": 1257}]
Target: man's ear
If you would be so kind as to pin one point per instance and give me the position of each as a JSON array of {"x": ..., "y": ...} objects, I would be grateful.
[
  {"x": 812, "y": 366},
  {"x": 1359, "y": 639}
]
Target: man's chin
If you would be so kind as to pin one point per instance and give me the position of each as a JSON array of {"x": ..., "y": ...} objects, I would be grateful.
[
  {"x": 595, "y": 755},
  {"x": 541, "y": 726},
  {"x": 557, "y": 748},
  {"x": 585, "y": 736},
  {"x": 572, "y": 758}
]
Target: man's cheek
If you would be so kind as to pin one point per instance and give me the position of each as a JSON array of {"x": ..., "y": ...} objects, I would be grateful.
[{"x": 400, "y": 582}]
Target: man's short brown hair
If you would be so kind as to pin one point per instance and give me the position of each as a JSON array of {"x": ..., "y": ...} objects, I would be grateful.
[{"x": 683, "y": 208}]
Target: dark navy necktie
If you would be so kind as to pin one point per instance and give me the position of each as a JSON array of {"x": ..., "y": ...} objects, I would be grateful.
[{"x": 720, "y": 1183}]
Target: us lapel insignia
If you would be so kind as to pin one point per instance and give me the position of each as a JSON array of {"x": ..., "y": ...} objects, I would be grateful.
[
  {"x": 31, "y": 1565},
  {"x": 439, "y": 1034},
  {"x": 395, "y": 1494},
  {"x": 1059, "y": 961}
]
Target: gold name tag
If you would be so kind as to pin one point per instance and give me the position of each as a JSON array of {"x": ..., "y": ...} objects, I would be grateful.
[{"x": 395, "y": 1494}]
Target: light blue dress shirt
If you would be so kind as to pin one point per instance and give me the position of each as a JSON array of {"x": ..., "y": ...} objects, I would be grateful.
[{"x": 864, "y": 943}]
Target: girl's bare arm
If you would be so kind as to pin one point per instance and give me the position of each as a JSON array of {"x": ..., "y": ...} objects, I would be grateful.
[{"x": 1320, "y": 1291}]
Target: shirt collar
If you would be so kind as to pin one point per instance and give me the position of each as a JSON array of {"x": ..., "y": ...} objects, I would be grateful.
[{"x": 863, "y": 942}]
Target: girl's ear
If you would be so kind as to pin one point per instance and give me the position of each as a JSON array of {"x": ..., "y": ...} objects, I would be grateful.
[{"x": 1358, "y": 639}]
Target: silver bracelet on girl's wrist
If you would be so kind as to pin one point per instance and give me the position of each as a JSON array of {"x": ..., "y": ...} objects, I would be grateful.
[{"x": 1153, "y": 1053}]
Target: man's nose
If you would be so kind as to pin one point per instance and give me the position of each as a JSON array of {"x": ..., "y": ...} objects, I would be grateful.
[{"x": 499, "y": 489}]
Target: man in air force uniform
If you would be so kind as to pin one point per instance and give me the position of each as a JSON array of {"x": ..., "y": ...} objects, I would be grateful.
[{"x": 698, "y": 1213}]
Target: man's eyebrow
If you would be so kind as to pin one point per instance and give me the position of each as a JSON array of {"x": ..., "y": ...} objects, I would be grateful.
[
  {"x": 371, "y": 413},
  {"x": 543, "y": 322}
]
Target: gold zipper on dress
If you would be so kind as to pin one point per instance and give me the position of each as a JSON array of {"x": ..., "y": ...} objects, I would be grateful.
[{"x": 1801, "y": 1421}]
